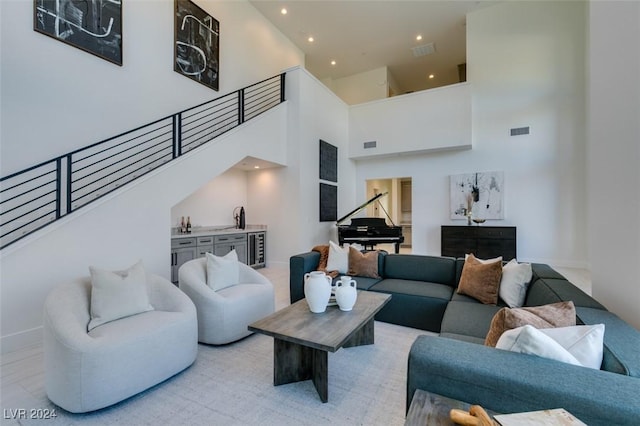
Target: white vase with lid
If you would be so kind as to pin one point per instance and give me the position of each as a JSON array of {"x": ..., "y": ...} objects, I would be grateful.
[
  {"x": 317, "y": 290},
  {"x": 346, "y": 293}
]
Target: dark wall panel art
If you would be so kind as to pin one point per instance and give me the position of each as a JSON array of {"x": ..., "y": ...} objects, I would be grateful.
[
  {"x": 94, "y": 26},
  {"x": 328, "y": 202},
  {"x": 328, "y": 161},
  {"x": 197, "y": 44}
]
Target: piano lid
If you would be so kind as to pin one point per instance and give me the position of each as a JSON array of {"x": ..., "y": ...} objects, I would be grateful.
[{"x": 362, "y": 206}]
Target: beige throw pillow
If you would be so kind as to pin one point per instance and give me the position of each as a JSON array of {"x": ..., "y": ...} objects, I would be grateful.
[
  {"x": 118, "y": 294},
  {"x": 480, "y": 280},
  {"x": 561, "y": 314},
  {"x": 222, "y": 272},
  {"x": 363, "y": 264}
]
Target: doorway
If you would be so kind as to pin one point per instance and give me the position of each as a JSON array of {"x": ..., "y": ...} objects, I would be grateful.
[{"x": 395, "y": 207}]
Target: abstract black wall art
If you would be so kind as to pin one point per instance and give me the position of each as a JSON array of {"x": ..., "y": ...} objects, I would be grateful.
[
  {"x": 328, "y": 161},
  {"x": 197, "y": 44},
  {"x": 94, "y": 26},
  {"x": 328, "y": 202}
]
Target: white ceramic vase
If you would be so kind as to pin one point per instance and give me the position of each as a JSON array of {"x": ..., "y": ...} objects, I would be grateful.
[
  {"x": 317, "y": 290},
  {"x": 346, "y": 293}
]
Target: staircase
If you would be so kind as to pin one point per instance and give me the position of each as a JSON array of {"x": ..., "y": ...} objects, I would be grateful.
[{"x": 40, "y": 195}]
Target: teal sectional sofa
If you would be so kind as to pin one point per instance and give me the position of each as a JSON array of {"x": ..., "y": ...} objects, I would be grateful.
[{"x": 456, "y": 364}]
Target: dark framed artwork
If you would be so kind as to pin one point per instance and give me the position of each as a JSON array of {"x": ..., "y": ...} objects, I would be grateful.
[
  {"x": 328, "y": 161},
  {"x": 328, "y": 202},
  {"x": 197, "y": 44},
  {"x": 94, "y": 26}
]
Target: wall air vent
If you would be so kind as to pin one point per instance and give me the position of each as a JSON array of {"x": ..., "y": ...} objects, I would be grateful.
[
  {"x": 372, "y": 144},
  {"x": 520, "y": 131},
  {"x": 423, "y": 50}
]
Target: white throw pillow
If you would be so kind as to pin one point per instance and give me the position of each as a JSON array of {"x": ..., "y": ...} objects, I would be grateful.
[
  {"x": 338, "y": 258},
  {"x": 578, "y": 345},
  {"x": 585, "y": 342},
  {"x": 117, "y": 294},
  {"x": 222, "y": 272},
  {"x": 529, "y": 340},
  {"x": 514, "y": 282}
]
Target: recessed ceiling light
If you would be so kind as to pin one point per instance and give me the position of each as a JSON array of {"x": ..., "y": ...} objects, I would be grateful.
[
  {"x": 333, "y": 62},
  {"x": 419, "y": 37},
  {"x": 256, "y": 167},
  {"x": 310, "y": 39},
  {"x": 283, "y": 11},
  {"x": 431, "y": 76}
]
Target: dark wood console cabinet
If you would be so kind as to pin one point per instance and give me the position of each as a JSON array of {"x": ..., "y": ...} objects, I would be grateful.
[{"x": 483, "y": 241}]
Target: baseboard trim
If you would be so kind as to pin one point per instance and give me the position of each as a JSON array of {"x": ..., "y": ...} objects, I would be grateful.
[
  {"x": 560, "y": 263},
  {"x": 23, "y": 339},
  {"x": 277, "y": 264}
]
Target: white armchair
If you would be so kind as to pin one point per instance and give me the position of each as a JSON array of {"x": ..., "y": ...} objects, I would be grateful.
[
  {"x": 89, "y": 370},
  {"x": 223, "y": 315}
]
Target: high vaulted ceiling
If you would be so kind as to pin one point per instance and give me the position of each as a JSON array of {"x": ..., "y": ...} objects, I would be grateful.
[{"x": 364, "y": 35}]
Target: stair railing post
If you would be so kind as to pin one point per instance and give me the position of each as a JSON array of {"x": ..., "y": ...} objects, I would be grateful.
[
  {"x": 69, "y": 186},
  {"x": 58, "y": 186},
  {"x": 177, "y": 135},
  {"x": 282, "y": 82},
  {"x": 240, "y": 106}
]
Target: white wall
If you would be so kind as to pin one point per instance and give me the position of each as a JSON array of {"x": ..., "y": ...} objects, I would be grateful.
[
  {"x": 214, "y": 202},
  {"x": 362, "y": 87},
  {"x": 287, "y": 199},
  {"x": 614, "y": 155},
  {"x": 526, "y": 68},
  {"x": 56, "y": 98},
  {"x": 426, "y": 121}
]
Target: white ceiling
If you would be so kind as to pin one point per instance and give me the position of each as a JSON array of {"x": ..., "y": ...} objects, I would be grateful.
[{"x": 365, "y": 35}]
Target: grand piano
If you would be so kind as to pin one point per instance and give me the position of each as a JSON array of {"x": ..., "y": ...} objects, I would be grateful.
[{"x": 369, "y": 231}]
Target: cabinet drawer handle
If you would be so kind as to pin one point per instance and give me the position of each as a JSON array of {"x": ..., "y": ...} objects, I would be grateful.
[{"x": 182, "y": 243}]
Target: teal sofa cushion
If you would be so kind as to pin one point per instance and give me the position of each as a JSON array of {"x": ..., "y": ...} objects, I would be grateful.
[
  {"x": 433, "y": 269},
  {"x": 416, "y": 304}
]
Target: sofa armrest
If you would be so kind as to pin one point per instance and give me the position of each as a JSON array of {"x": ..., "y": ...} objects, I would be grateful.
[
  {"x": 299, "y": 265},
  {"x": 508, "y": 382}
]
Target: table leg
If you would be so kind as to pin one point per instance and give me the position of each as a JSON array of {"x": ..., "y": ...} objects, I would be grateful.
[
  {"x": 364, "y": 336},
  {"x": 295, "y": 363}
]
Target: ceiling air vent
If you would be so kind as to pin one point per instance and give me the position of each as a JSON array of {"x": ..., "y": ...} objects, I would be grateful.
[
  {"x": 371, "y": 144},
  {"x": 423, "y": 50}
]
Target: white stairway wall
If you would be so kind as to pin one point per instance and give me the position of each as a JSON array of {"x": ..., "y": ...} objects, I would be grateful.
[{"x": 114, "y": 232}]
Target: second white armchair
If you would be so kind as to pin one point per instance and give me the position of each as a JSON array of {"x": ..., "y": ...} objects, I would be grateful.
[{"x": 223, "y": 315}]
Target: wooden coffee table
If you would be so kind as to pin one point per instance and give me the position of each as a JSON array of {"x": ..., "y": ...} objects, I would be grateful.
[{"x": 303, "y": 339}]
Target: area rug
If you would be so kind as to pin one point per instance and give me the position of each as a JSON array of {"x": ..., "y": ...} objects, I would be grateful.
[{"x": 233, "y": 385}]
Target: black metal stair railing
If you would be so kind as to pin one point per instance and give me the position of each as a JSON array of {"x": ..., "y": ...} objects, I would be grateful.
[{"x": 39, "y": 195}]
